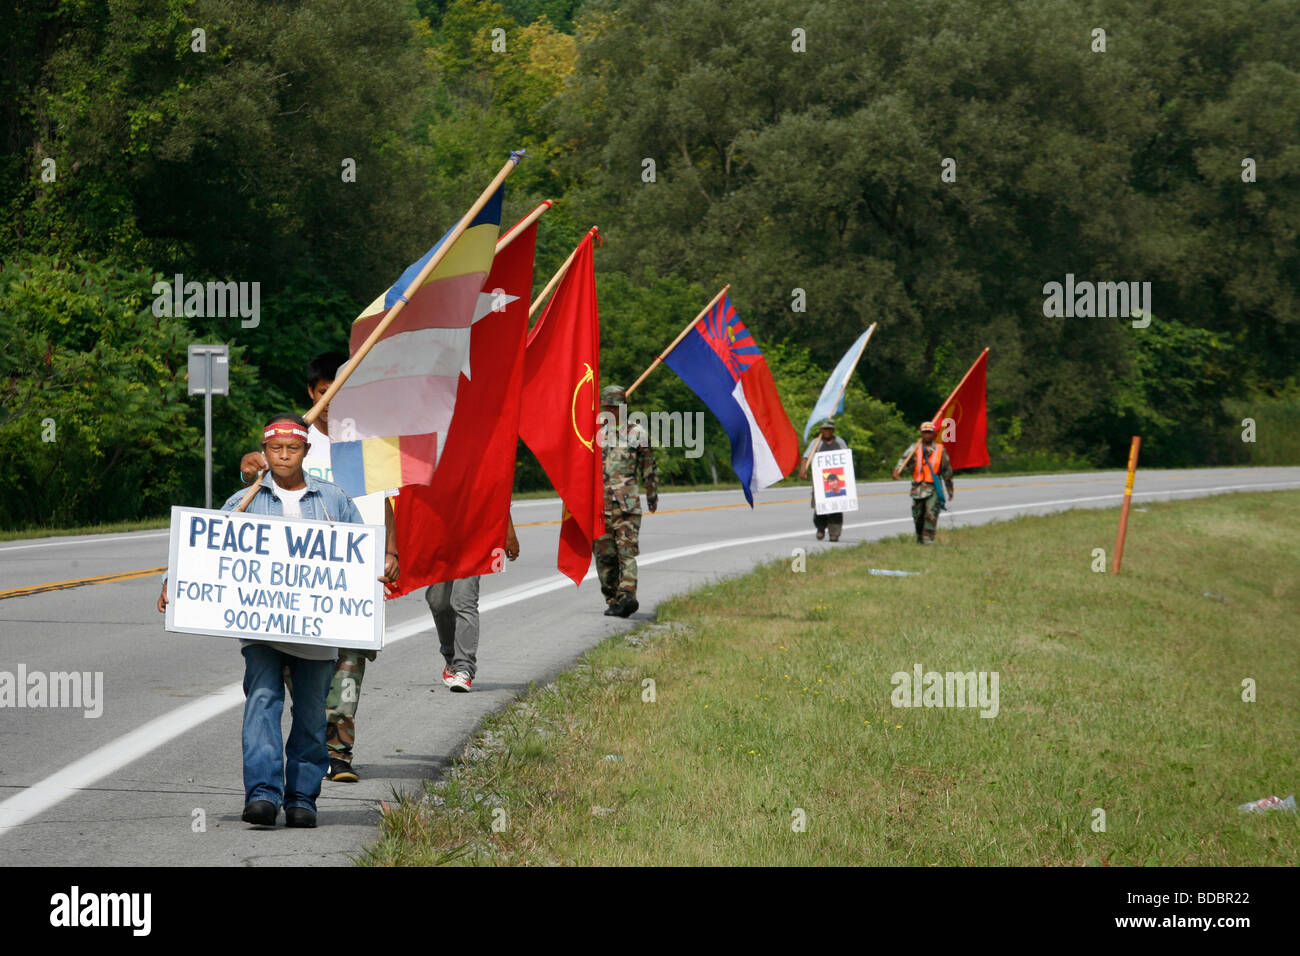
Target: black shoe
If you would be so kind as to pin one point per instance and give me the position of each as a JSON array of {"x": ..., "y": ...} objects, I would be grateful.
[
  {"x": 626, "y": 607},
  {"x": 299, "y": 817},
  {"x": 612, "y": 610},
  {"x": 260, "y": 813},
  {"x": 821, "y": 533},
  {"x": 341, "y": 771}
]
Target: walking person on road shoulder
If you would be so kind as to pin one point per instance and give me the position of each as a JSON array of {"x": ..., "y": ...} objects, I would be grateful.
[
  {"x": 350, "y": 669},
  {"x": 279, "y": 772},
  {"x": 624, "y": 455},
  {"x": 825, "y": 440},
  {"x": 929, "y": 463},
  {"x": 455, "y": 616}
]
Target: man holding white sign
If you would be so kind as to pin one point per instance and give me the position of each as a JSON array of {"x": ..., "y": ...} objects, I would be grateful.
[
  {"x": 844, "y": 496},
  {"x": 294, "y": 586},
  {"x": 350, "y": 669}
]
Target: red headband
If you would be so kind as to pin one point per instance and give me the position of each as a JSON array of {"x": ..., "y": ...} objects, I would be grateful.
[{"x": 283, "y": 430}]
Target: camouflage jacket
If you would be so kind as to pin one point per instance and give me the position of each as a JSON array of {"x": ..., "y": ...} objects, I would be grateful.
[
  {"x": 924, "y": 489},
  {"x": 629, "y": 453}
]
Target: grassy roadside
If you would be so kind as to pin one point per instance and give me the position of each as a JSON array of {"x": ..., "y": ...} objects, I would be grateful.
[
  {"x": 117, "y": 527},
  {"x": 772, "y": 705}
]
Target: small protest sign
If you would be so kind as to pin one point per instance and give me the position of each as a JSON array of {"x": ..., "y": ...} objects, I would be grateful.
[
  {"x": 269, "y": 578},
  {"x": 834, "y": 488}
]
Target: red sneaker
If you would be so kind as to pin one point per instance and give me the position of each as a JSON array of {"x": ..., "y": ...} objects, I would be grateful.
[
  {"x": 460, "y": 682},
  {"x": 448, "y": 678}
]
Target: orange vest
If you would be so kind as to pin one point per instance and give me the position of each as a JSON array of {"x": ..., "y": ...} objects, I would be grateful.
[{"x": 936, "y": 459}]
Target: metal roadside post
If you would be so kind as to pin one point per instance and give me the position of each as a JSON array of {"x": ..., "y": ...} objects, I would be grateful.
[{"x": 209, "y": 374}]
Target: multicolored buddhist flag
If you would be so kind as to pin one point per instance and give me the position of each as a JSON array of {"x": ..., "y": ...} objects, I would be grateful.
[
  {"x": 389, "y": 421},
  {"x": 455, "y": 526}
]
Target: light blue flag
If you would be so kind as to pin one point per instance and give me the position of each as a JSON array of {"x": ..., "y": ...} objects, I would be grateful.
[{"x": 831, "y": 401}]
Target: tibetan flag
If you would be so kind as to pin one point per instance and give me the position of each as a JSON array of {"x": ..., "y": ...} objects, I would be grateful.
[
  {"x": 393, "y": 412},
  {"x": 831, "y": 400},
  {"x": 721, "y": 363},
  {"x": 557, "y": 420},
  {"x": 452, "y": 527},
  {"x": 962, "y": 421}
]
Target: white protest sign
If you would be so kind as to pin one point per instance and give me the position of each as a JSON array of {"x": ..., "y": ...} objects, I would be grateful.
[
  {"x": 276, "y": 579},
  {"x": 834, "y": 488}
]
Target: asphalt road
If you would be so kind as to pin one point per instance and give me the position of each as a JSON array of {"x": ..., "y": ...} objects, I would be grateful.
[{"x": 129, "y": 787}]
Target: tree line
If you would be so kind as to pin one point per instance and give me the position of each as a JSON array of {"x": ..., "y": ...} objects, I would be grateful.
[{"x": 927, "y": 165}]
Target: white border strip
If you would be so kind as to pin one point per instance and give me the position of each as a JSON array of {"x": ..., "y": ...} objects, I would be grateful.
[{"x": 92, "y": 539}]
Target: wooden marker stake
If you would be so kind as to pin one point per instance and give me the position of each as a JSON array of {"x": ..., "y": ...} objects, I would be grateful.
[{"x": 1128, "y": 498}]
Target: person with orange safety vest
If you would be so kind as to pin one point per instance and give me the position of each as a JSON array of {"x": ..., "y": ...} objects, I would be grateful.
[{"x": 928, "y": 462}]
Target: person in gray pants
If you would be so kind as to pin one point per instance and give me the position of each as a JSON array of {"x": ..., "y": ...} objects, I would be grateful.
[{"x": 455, "y": 615}]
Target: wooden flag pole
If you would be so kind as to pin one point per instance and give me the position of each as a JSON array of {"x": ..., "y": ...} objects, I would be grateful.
[
  {"x": 847, "y": 378},
  {"x": 523, "y": 224},
  {"x": 938, "y": 425},
  {"x": 434, "y": 261},
  {"x": 555, "y": 279},
  {"x": 1128, "y": 498},
  {"x": 690, "y": 325}
]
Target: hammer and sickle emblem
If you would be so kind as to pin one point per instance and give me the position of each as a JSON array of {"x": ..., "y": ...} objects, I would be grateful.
[{"x": 573, "y": 406}]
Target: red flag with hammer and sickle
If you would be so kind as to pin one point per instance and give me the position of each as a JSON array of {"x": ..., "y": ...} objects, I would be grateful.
[{"x": 557, "y": 420}]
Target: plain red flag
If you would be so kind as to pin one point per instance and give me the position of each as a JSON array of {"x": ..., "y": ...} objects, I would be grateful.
[
  {"x": 966, "y": 437},
  {"x": 453, "y": 527},
  {"x": 558, "y": 418}
]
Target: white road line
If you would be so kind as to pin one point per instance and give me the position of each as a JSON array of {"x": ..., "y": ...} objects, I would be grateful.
[
  {"x": 93, "y": 539},
  {"x": 98, "y": 764}
]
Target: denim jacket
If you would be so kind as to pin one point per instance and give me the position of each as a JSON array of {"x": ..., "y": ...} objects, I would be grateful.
[{"x": 324, "y": 501}]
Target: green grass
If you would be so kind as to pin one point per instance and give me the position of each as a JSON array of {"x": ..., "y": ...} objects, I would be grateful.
[
  {"x": 773, "y": 695},
  {"x": 146, "y": 524}
]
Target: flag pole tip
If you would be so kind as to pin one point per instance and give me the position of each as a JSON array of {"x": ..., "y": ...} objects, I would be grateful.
[{"x": 518, "y": 154}]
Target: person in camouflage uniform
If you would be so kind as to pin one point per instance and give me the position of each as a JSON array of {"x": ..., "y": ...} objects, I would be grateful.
[
  {"x": 341, "y": 712},
  {"x": 624, "y": 455},
  {"x": 926, "y": 458}
]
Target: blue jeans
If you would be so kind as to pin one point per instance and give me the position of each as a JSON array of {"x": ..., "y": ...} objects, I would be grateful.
[{"x": 290, "y": 775}]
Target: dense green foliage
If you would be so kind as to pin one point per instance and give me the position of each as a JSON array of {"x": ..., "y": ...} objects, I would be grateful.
[
  {"x": 812, "y": 174},
  {"x": 95, "y": 420}
]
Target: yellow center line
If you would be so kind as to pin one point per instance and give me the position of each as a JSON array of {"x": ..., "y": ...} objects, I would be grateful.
[
  {"x": 797, "y": 501},
  {"x": 145, "y": 572},
  {"x": 80, "y": 582}
]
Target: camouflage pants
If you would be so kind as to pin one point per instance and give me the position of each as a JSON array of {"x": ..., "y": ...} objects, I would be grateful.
[
  {"x": 925, "y": 515},
  {"x": 616, "y": 552},
  {"x": 341, "y": 704}
]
